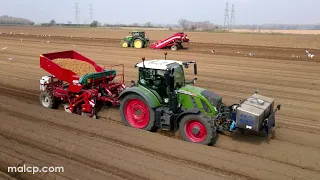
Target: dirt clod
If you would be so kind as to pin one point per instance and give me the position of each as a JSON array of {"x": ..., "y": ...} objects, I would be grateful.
[{"x": 79, "y": 67}]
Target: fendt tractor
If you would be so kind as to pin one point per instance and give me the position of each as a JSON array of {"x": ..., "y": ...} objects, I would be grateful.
[
  {"x": 137, "y": 39},
  {"x": 162, "y": 98}
]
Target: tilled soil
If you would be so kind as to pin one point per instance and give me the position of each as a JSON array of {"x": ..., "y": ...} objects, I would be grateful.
[{"x": 106, "y": 149}]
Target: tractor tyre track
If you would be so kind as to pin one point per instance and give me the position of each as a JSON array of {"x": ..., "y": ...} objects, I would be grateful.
[
  {"x": 31, "y": 97},
  {"x": 121, "y": 143},
  {"x": 111, "y": 117},
  {"x": 41, "y": 121}
]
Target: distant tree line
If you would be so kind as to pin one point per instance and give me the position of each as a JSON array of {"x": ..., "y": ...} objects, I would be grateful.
[
  {"x": 8, "y": 20},
  {"x": 147, "y": 24},
  {"x": 184, "y": 24},
  {"x": 279, "y": 27},
  {"x": 198, "y": 25}
]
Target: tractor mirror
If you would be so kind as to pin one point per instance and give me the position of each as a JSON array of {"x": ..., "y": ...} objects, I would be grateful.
[
  {"x": 194, "y": 80},
  {"x": 195, "y": 69},
  {"x": 278, "y": 107}
]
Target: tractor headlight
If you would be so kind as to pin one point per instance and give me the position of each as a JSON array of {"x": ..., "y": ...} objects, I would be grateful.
[{"x": 166, "y": 100}]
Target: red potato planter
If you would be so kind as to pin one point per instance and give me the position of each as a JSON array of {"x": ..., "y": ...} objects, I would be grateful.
[
  {"x": 174, "y": 42},
  {"x": 79, "y": 94}
]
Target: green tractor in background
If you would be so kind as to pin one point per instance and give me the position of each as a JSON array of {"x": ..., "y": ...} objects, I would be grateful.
[
  {"x": 136, "y": 40},
  {"x": 162, "y": 98}
]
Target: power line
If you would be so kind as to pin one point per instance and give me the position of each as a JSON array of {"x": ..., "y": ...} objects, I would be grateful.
[
  {"x": 232, "y": 21},
  {"x": 91, "y": 12},
  {"x": 226, "y": 16},
  {"x": 77, "y": 12}
]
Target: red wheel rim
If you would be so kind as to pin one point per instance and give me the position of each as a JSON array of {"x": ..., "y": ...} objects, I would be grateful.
[
  {"x": 195, "y": 131},
  {"x": 136, "y": 113}
]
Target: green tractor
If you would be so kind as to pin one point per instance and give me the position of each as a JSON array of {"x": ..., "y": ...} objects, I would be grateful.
[
  {"x": 136, "y": 40},
  {"x": 162, "y": 98}
]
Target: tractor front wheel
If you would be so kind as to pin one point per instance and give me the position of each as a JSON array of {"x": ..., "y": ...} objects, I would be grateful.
[
  {"x": 135, "y": 112},
  {"x": 197, "y": 129},
  {"x": 47, "y": 99},
  {"x": 124, "y": 44},
  {"x": 138, "y": 43}
]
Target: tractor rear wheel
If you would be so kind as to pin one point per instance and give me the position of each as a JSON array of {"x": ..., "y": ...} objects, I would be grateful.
[
  {"x": 138, "y": 43},
  {"x": 135, "y": 112},
  {"x": 47, "y": 99},
  {"x": 197, "y": 129}
]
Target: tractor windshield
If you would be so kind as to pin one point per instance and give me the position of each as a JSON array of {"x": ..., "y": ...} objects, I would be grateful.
[{"x": 138, "y": 34}]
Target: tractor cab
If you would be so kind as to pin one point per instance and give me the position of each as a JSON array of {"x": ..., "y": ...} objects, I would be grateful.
[
  {"x": 138, "y": 34},
  {"x": 163, "y": 77}
]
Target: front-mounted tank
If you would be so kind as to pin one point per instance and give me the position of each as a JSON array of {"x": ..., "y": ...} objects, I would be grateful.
[{"x": 253, "y": 111}]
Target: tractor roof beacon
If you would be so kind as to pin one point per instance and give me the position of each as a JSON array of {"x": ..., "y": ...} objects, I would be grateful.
[{"x": 162, "y": 98}]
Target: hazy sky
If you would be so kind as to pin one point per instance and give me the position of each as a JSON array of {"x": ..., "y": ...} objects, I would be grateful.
[{"x": 166, "y": 11}]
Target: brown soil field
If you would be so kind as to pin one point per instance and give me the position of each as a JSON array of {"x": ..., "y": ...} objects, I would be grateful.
[
  {"x": 305, "y": 41},
  {"x": 106, "y": 149}
]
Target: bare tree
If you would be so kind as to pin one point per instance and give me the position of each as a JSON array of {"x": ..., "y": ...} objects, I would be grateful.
[
  {"x": 94, "y": 24},
  {"x": 135, "y": 24},
  {"x": 190, "y": 25},
  {"x": 148, "y": 24},
  {"x": 52, "y": 22},
  {"x": 183, "y": 23}
]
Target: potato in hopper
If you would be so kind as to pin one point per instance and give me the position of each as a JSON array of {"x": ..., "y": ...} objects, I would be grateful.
[{"x": 79, "y": 67}]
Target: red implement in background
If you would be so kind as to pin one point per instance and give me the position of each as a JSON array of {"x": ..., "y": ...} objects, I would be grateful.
[{"x": 174, "y": 42}]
